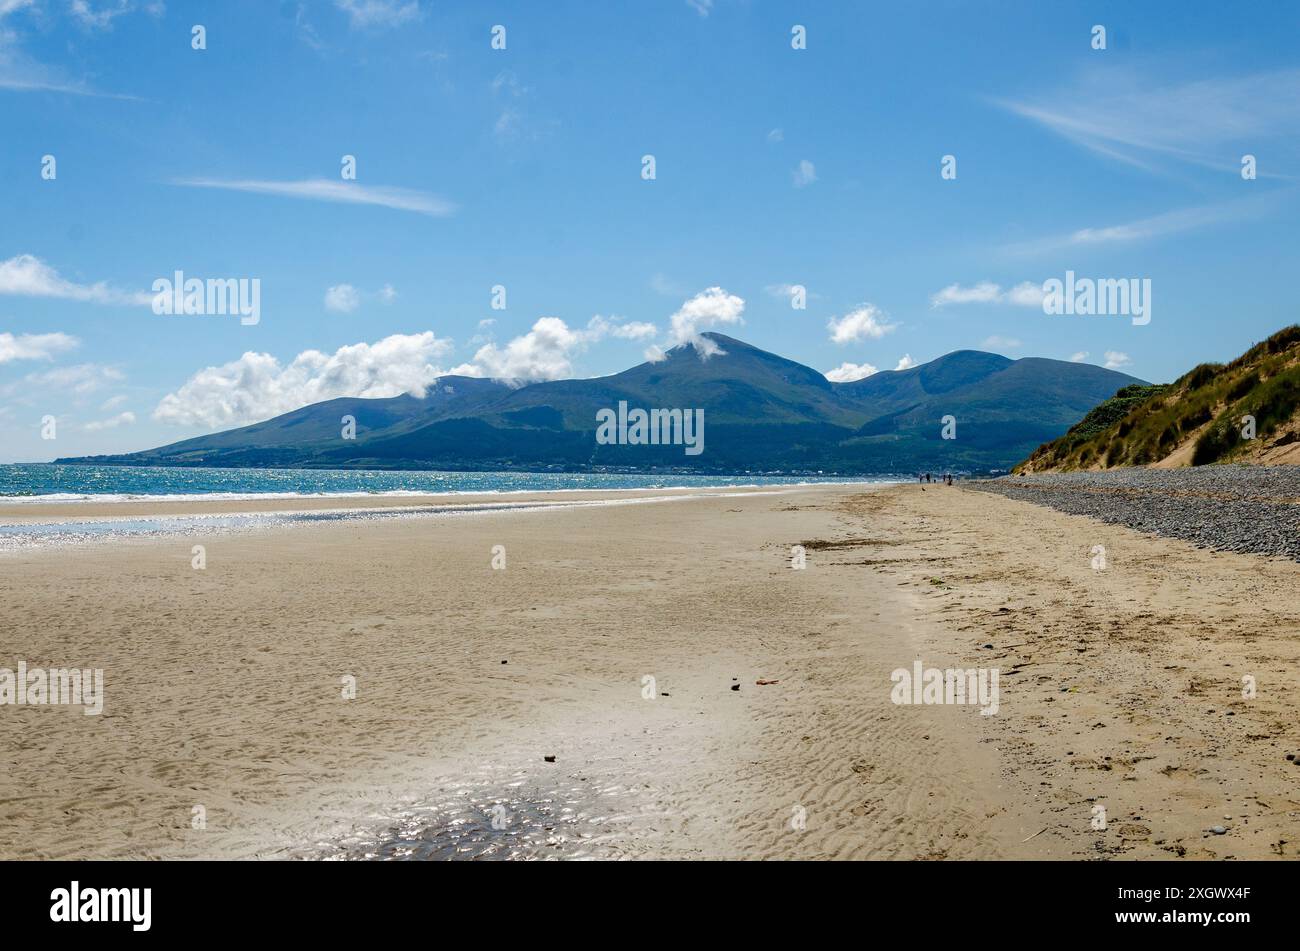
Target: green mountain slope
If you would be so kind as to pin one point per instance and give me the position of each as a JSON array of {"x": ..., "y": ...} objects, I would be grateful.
[
  {"x": 762, "y": 413},
  {"x": 1197, "y": 419}
]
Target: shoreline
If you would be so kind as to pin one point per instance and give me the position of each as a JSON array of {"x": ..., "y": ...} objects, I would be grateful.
[{"x": 42, "y": 508}]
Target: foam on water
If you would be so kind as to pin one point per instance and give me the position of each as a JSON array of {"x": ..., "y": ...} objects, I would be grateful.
[{"x": 28, "y": 535}]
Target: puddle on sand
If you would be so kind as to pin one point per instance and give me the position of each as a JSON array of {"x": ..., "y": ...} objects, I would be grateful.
[{"x": 574, "y": 818}]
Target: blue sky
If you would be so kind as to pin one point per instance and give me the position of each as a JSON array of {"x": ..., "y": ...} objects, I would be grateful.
[{"x": 522, "y": 167}]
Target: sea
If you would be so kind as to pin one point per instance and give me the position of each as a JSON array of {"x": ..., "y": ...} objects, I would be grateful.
[
  {"x": 28, "y": 487},
  {"x": 56, "y": 483}
]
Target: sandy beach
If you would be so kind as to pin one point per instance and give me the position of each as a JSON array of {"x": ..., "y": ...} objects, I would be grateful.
[{"x": 225, "y": 730}]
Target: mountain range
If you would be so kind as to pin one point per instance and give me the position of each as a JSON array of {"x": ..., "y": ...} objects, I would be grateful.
[{"x": 763, "y": 413}]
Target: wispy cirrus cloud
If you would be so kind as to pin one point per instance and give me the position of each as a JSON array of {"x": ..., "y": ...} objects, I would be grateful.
[
  {"x": 1162, "y": 225},
  {"x": 1138, "y": 120},
  {"x": 21, "y": 73},
  {"x": 100, "y": 14},
  {"x": 28, "y": 276},
  {"x": 366, "y": 14},
  {"x": 323, "y": 189}
]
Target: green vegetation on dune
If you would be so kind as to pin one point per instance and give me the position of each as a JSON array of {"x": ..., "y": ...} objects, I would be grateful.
[
  {"x": 1141, "y": 425},
  {"x": 1272, "y": 403}
]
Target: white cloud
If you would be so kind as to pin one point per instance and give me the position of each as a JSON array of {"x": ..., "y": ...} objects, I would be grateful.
[
  {"x": 600, "y": 326},
  {"x": 702, "y": 7},
  {"x": 848, "y": 372},
  {"x": 867, "y": 322},
  {"x": 546, "y": 352},
  {"x": 121, "y": 419},
  {"x": 322, "y": 189},
  {"x": 1116, "y": 359},
  {"x": 997, "y": 342},
  {"x": 34, "y": 346},
  {"x": 113, "y": 402},
  {"x": 1024, "y": 294},
  {"x": 1079, "y": 357},
  {"x": 805, "y": 174},
  {"x": 342, "y": 299},
  {"x": 985, "y": 292},
  {"x": 786, "y": 291},
  {"x": 80, "y": 380},
  {"x": 709, "y": 308},
  {"x": 776, "y": 135},
  {"x": 905, "y": 363},
  {"x": 379, "y": 13},
  {"x": 29, "y": 276},
  {"x": 257, "y": 386},
  {"x": 486, "y": 322}
]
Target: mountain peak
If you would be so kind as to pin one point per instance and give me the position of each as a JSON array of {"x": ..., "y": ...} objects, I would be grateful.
[{"x": 764, "y": 413}]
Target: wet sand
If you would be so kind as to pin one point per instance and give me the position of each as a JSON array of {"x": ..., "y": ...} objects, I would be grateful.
[{"x": 224, "y": 686}]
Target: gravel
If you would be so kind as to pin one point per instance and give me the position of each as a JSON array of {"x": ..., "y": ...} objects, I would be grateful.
[{"x": 1251, "y": 509}]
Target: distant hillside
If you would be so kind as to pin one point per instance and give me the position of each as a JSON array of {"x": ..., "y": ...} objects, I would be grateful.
[
  {"x": 1195, "y": 420},
  {"x": 763, "y": 413}
]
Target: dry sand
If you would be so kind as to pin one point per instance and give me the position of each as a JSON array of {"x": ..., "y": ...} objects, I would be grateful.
[{"x": 223, "y": 686}]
